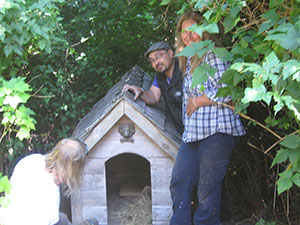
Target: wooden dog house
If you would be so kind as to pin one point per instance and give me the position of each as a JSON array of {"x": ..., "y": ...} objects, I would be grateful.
[{"x": 132, "y": 148}]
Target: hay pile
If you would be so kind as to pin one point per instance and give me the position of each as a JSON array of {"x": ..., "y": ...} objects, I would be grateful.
[{"x": 138, "y": 211}]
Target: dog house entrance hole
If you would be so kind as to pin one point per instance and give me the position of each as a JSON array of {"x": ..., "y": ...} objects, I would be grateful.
[{"x": 128, "y": 189}]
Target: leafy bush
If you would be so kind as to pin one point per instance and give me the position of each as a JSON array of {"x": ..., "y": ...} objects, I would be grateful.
[{"x": 264, "y": 53}]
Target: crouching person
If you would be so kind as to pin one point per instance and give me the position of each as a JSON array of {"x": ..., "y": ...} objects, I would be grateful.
[{"x": 34, "y": 198}]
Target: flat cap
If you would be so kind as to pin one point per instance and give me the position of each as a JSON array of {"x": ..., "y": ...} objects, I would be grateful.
[{"x": 161, "y": 45}]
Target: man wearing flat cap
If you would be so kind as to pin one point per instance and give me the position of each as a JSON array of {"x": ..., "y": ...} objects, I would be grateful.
[{"x": 167, "y": 82}]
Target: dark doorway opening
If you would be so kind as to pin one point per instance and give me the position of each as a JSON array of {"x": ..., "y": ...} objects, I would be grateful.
[{"x": 128, "y": 190}]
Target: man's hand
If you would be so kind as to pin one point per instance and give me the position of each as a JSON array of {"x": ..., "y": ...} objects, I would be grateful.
[{"x": 135, "y": 89}]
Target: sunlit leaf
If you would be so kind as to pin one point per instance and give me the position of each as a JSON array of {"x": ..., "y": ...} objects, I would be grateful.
[
  {"x": 283, "y": 184},
  {"x": 291, "y": 141},
  {"x": 164, "y": 2},
  {"x": 272, "y": 18},
  {"x": 281, "y": 156},
  {"x": 296, "y": 179},
  {"x": 290, "y": 67},
  {"x": 271, "y": 64},
  {"x": 294, "y": 157},
  {"x": 199, "y": 48},
  {"x": 13, "y": 101},
  {"x": 286, "y": 35},
  {"x": 208, "y": 13},
  {"x": 23, "y": 133}
]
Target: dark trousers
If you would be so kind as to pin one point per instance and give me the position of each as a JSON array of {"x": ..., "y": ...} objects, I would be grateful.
[{"x": 202, "y": 165}]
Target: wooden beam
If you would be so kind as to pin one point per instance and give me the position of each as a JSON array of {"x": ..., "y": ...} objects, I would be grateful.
[
  {"x": 151, "y": 130},
  {"x": 105, "y": 125}
]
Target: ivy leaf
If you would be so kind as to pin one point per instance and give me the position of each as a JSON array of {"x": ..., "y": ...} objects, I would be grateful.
[
  {"x": 183, "y": 7},
  {"x": 222, "y": 53},
  {"x": 271, "y": 64},
  {"x": 244, "y": 67},
  {"x": 8, "y": 49},
  {"x": 212, "y": 28},
  {"x": 262, "y": 48},
  {"x": 23, "y": 117},
  {"x": 279, "y": 104},
  {"x": 251, "y": 95},
  {"x": 13, "y": 101},
  {"x": 203, "y": 3},
  {"x": 2, "y": 33},
  {"x": 199, "y": 48},
  {"x": 230, "y": 22},
  {"x": 293, "y": 90},
  {"x": 254, "y": 95},
  {"x": 208, "y": 13},
  {"x": 286, "y": 35},
  {"x": 5, "y": 186},
  {"x": 200, "y": 75},
  {"x": 223, "y": 92},
  {"x": 42, "y": 44},
  {"x": 294, "y": 157},
  {"x": 296, "y": 179},
  {"x": 8, "y": 117},
  {"x": 164, "y": 2},
  {"x": 228, "y": 76},
  {"x": 281, "y": 156},
  {"x": 237, "y": 78},
  {"x": 291, "y": 141},
  {"x": 272, "y": 18},
  {"x": 283, "y": 184},
  {"x": 296, "y": 76},
  {"x": 291, "y": 67},
  {"x": 265, "y": 26},
  {"x": 17, "y": 84},
  {"x": 23, "y": 133},
  {"x": 19, "y": 51}
]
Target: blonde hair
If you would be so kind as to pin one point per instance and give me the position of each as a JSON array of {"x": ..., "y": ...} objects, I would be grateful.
[
  {"x": 195, "y": 60},
  {"x": 68, "y": 159}
]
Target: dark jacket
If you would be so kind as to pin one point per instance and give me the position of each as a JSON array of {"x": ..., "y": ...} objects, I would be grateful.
[{"x": 172, "y": 94}]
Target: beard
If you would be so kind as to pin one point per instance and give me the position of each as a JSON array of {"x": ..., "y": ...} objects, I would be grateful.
[{"x": 161, "y": 68}]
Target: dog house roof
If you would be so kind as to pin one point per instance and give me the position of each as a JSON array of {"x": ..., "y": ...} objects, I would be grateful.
[{"x": 155, "y": 113}]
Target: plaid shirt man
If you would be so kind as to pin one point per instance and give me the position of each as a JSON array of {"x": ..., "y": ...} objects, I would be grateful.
[{"x": 212, "y": 119}]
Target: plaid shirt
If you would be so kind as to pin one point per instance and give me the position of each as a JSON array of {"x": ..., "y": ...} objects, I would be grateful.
[{"x": 211, "y": 119}]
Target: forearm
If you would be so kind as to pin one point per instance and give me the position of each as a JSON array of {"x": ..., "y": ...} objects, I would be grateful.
[
  {"x": 148, "y": 97},
  {"x": 202, "y": 101},
  {"x": 196, "y": 102}
]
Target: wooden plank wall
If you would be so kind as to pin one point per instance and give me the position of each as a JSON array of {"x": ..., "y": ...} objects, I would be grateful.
[{"x": 92, "y": 198}]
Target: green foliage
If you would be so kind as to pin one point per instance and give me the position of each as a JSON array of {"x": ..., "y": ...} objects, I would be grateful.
[
  {"x": 262, "y": 44},
  {"x": 27, "y": 29},
  {"x": 13, "y": 96},
  {"x": 5, "y": 187},
  {"x": 201, "y": 72},
  {"x": 289, "y": 153},
  {"x": 263, "y": 222}
]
